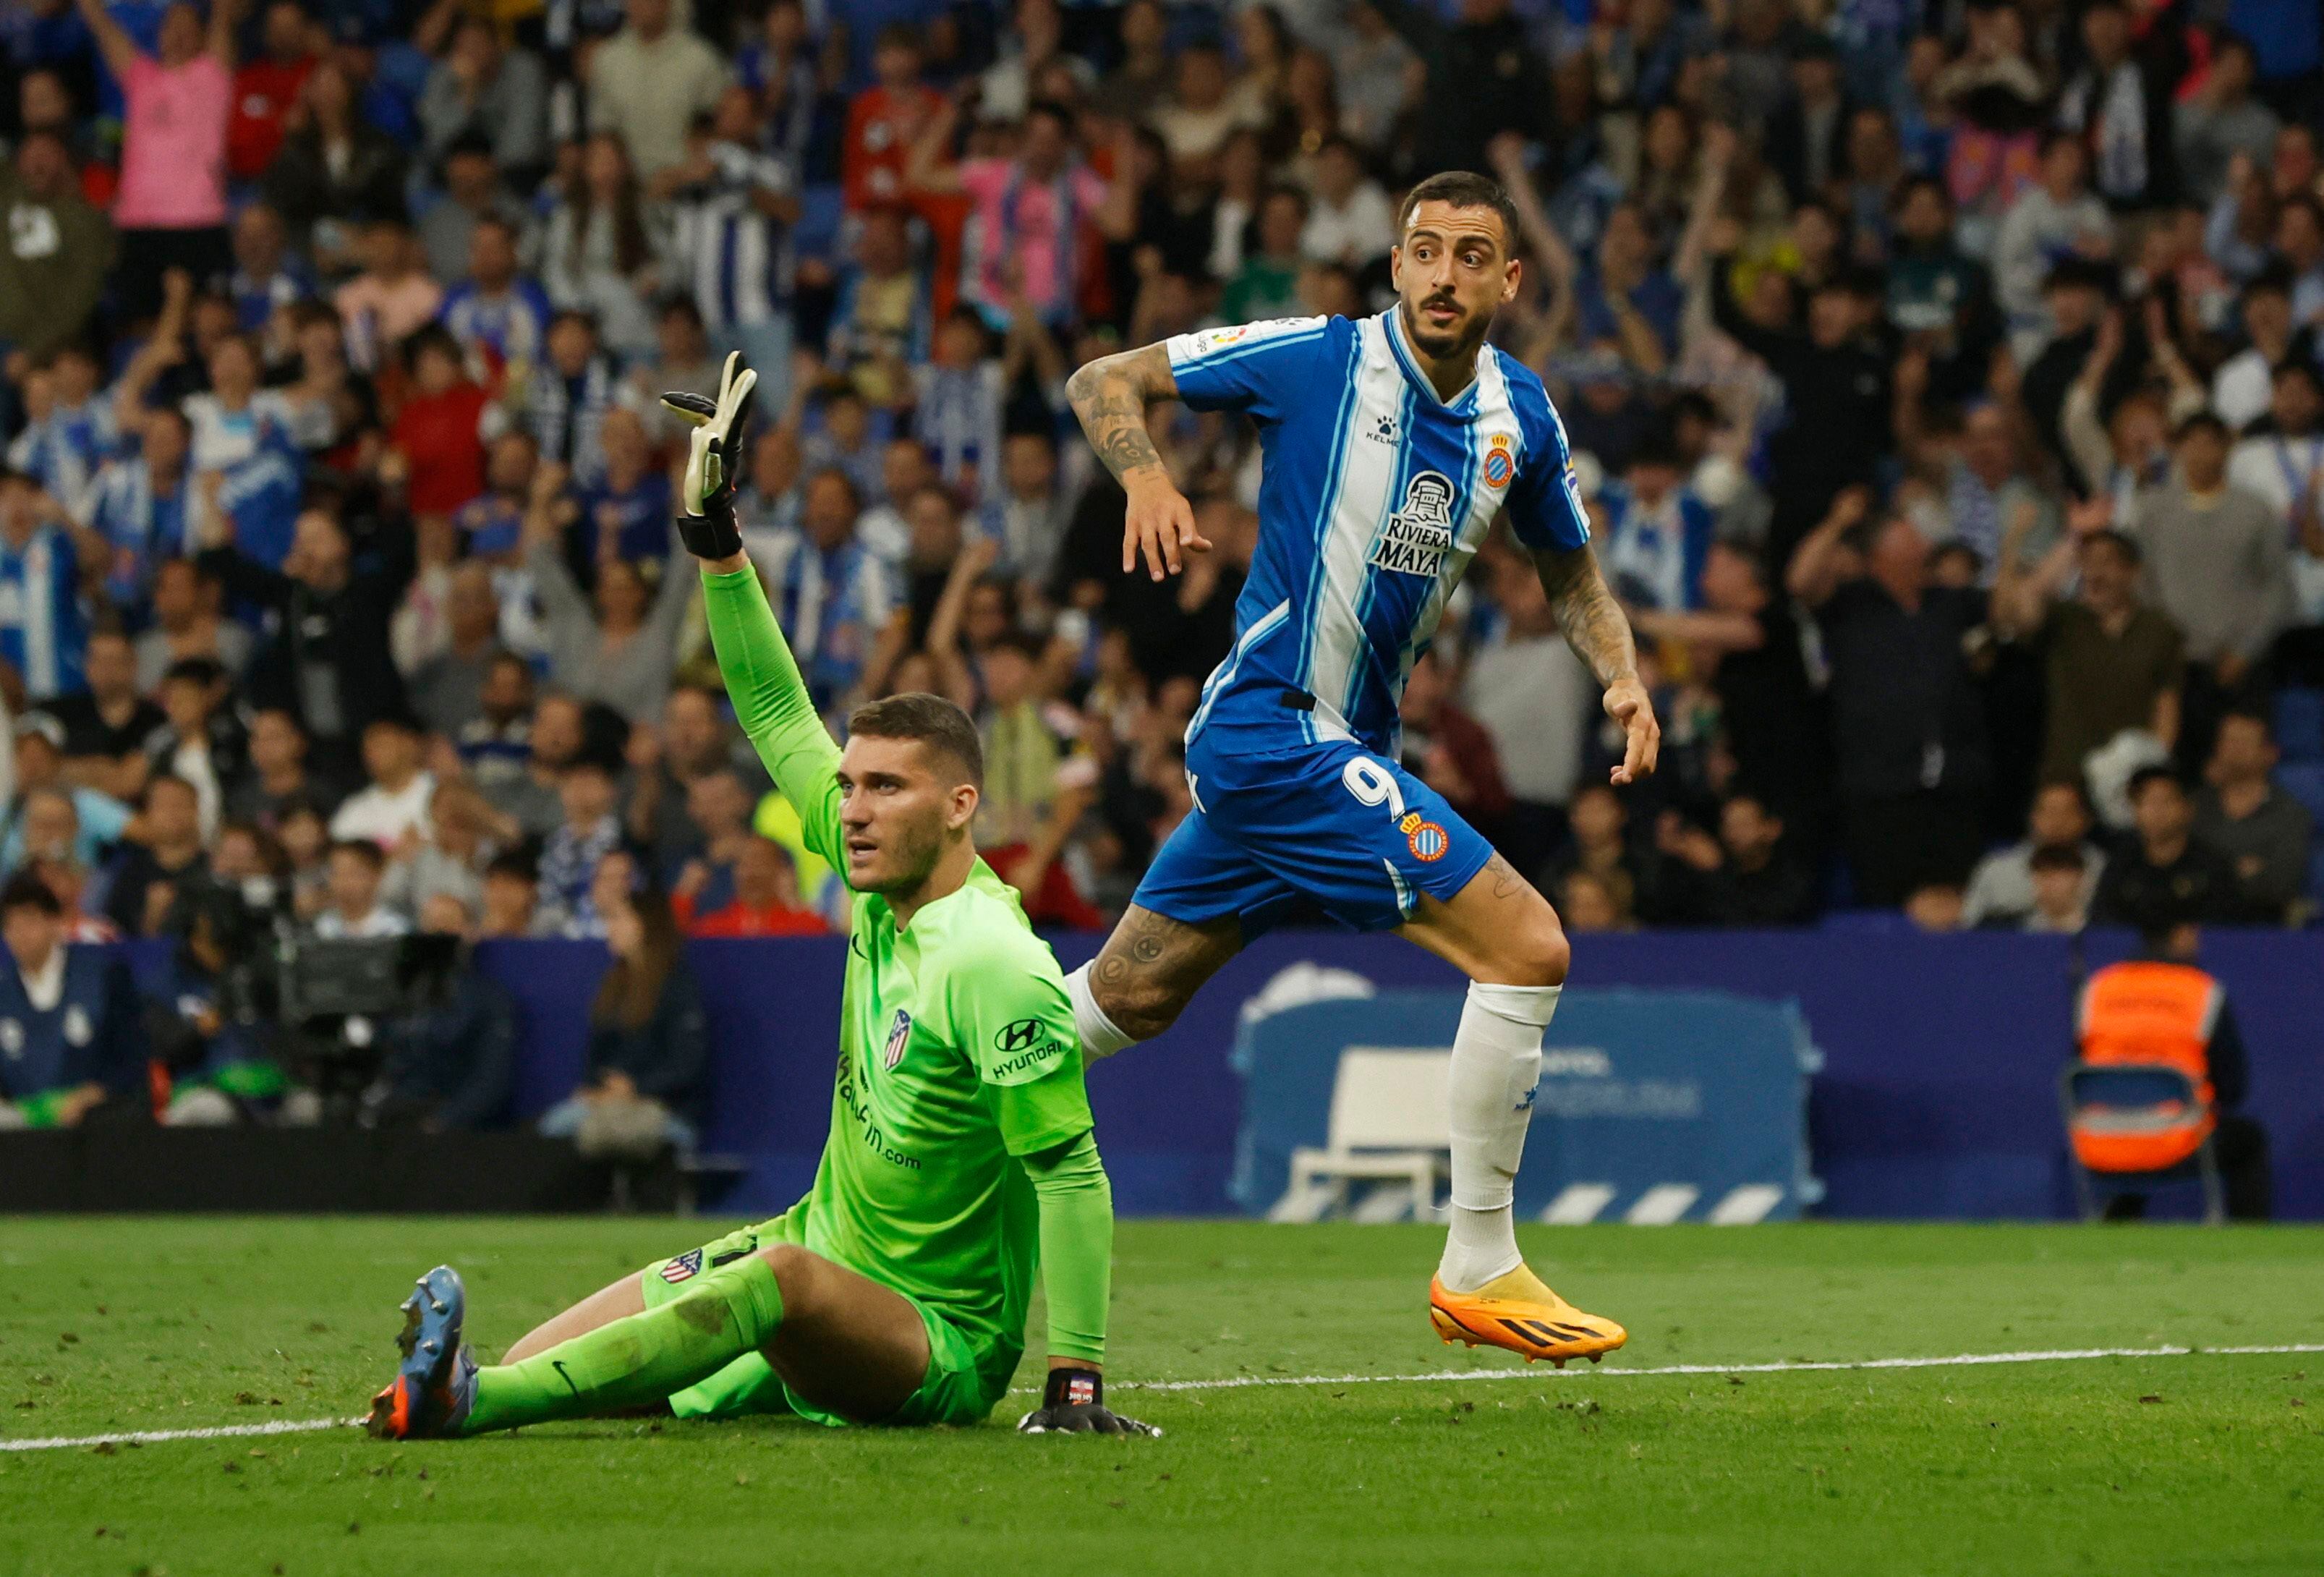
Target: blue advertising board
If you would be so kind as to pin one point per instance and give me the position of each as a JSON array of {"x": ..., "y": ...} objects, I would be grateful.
[{"x": 1653, "y": 1106}]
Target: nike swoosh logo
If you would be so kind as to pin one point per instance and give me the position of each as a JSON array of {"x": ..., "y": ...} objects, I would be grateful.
[{"x": 558, "y": 1366}]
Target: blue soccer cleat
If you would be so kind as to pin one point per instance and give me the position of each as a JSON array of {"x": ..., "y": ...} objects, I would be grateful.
[{"x": 429, "y": 1396}]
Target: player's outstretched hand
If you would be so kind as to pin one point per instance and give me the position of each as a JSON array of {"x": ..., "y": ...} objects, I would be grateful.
[
  {"x": 1626, "y": 704},
  {"x": 713, "y": 461},
  {"x": 1160, "y": 524},
  {"x": 1074, "y": 1403}
]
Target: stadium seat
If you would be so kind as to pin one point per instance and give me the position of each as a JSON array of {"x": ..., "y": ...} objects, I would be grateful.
[
  {"x": 2124, "y": 1101},
  {"x": 1866, "y": 922},
  {"x": 821, "y": 209},
  {"x": 1390, "y": 1122},
  {"x": 2300, "y": 724},
  {"x": 2305, "y": 783}
]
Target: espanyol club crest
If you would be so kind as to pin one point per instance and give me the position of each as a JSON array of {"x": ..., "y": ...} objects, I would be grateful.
[
  {"x": 898, "y": 1034},
  {"x": 1426, "y": 840},
  {"x": 1499, "y": 465}
]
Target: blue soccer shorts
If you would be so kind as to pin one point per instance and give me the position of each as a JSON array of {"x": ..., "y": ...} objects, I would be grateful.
[{"x": 1299, "y": 826}]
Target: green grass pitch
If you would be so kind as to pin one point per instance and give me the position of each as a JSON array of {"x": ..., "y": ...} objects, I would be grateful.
[{"x": 2206, "y": 1463}]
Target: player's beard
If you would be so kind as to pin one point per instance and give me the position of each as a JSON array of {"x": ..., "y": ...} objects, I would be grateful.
[
  {"x": 1461, "y": 339},
  {"x": 910, "y": 854}
]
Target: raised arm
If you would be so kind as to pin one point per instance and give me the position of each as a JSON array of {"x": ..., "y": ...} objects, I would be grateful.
[
  {"x": 226, "y": 15},
  {"x": 2022, "y": 596},
  {"x": 771, "y": 702},
  {"x": 1109, "y": 395},
  {"x": 1600, "y": 635},
  {"x": 926, "y": 167},
  {"x": 1819, "y": 563},
  {"x": 113, "y": 40},
  {"x": 942, "y": 643},
  {"x": 165, "y": 348}
]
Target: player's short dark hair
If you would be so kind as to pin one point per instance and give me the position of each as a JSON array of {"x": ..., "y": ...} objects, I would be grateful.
[
  {"x": 27, "y": 892},
  {"x": 932, "y": 720},
  {"x": 2121, "y": 542},
  {"x": 517, "y": 864},
  {"x": 1912, "y": 186},
  {"x": 205, "y": 672},
  {"x": 363, "y": 849},
  {"x": 2202, "y": 421},
  {"x": 160, "y": 780},
  {"x": 2145, "y": 778},
  {"x": 1461, "y": 189},
  {"x": 2057, "y": 857}
]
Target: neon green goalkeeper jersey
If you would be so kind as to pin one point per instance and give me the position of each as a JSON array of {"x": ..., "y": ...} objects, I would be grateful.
[{"x": 957, "y": 1059}]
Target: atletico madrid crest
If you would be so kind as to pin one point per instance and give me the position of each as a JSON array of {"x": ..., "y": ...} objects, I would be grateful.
[{"x": 898, "y": 1034}]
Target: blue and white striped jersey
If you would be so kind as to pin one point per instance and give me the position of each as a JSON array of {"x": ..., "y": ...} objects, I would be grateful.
[
  {"x": 64, "y": 452},
  {"x": 740, "y": 262},
  {"x": 1374, "y": 495},
  {"x": 41, "y": 630}
]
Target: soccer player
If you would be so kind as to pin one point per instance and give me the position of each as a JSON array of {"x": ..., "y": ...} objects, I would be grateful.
[
  {"x": 961, "y": 1151},
  {"x": 1389, "y": 446}
]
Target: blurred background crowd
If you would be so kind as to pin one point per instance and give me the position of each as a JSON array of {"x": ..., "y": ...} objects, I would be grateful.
[{"x": 1942, "y": 375}]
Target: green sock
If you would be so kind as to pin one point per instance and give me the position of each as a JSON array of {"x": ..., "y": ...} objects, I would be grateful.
[{"x": 637, "y": 1361}]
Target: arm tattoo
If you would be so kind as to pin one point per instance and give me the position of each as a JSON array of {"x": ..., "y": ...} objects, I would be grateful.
[
  {"x": 1505, "y": 881},
  {"x": 1586, "y": 611},
  {"x": 1137, "y": 945},
  {"x": 1111, "y": 395}
]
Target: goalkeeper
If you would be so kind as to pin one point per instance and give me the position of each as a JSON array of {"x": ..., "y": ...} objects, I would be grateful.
[{"x": 961, "y": 1152}]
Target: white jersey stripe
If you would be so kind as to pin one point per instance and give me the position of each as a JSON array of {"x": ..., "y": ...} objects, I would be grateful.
[
  {"x": 1367, "y": 493},
  {"x": 1334, "y": 489},
  {"x": 1224, "y": 675}
]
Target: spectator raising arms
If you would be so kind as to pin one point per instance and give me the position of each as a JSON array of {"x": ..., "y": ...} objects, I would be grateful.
[
  {"x": 1944, "y": 386},
  {"x": 171, "y": 205}
]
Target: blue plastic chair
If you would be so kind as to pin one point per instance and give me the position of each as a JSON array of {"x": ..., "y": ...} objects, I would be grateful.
[
  {"x": 2300, "y": 724},
  {"x": 822, "y": 211},
  {"x": 2115, "y": 1100},
  {"x": 2304, "y": 781}
]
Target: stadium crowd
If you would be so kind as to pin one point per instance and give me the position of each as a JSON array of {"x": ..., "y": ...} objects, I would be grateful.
[{"x": 1943, "y": 377}]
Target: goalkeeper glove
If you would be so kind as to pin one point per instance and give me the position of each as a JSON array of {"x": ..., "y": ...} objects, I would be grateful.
[
  {"x": 1074, "y": 1403},
  {"x": 714, "y": 460}
]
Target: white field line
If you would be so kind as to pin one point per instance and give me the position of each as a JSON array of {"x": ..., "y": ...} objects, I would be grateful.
[
  {"x": 1582, "y": 1371},
  {"x": 1244, "y": 1382},
  {"x": 156, "y": 1436}
]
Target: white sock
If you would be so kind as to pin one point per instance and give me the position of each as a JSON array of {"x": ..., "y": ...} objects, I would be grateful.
[
  {"x": 1495, "y": 1062},
  {"x": 1099, "y": 1036}
]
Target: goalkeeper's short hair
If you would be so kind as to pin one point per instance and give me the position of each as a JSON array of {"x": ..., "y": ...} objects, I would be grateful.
[{"x": 935, "y": 721}]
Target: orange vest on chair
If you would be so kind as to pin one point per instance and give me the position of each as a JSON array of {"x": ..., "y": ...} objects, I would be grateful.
[{"x": 2148, "y": 1012}]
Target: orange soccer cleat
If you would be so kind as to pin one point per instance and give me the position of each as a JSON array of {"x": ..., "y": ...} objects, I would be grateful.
[{"x": 1518, "y": 1312}]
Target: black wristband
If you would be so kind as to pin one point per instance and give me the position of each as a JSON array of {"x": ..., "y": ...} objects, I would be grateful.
[
  {"x": 713, "y": 536},
  {"x": 1074, "y": 1388}
]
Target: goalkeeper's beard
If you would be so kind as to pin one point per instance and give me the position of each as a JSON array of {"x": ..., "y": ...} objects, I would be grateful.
[{"x": 905, "y": 858}]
